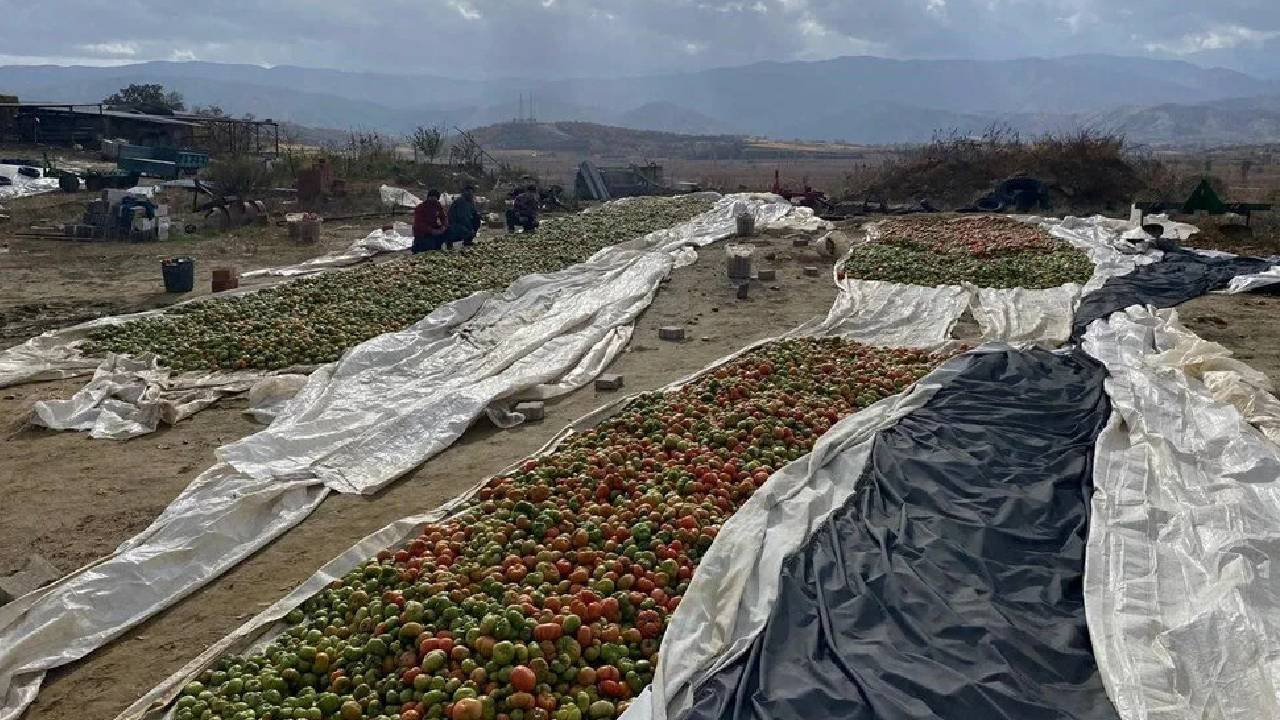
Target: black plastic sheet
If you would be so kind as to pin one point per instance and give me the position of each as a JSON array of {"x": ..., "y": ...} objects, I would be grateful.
[
  {"x": 950, "y": 585},
  {"x": 1180, "y": 276}
]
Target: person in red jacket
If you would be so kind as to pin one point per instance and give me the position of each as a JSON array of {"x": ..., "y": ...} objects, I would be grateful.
[{"x": 430, "y": 223}]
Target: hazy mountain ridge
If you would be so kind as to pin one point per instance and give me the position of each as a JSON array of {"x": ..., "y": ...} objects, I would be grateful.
[{"x": 859, "y": 99}]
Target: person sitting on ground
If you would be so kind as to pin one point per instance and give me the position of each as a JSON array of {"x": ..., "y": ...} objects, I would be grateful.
[
  {"x": 524, "y": 213},
  {"x": 464, "y": 218},
  {"x": 430, "y": 223}
]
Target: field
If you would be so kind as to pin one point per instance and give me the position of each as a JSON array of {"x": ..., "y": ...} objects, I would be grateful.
[
  {"x": 99, "y": 498},
  {"x": 729, "y": 175},
  {"x": 72, "y": 500}
]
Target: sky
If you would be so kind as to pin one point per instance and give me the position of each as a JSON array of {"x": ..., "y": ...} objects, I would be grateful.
[{"x": 566, "y": 38}]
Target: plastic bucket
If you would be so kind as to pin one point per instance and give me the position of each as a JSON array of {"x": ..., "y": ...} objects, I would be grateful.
[{"x": 179, "y": 274}]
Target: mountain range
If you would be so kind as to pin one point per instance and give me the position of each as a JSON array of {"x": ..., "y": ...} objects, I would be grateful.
[{"x": 857, "y": 99}]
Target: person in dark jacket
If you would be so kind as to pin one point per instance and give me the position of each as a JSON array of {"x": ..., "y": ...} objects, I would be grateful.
[
  {"x": 464, "y": 219},
  {"x": 524, "y": 211},
  {"x": 430, "y": 223}
]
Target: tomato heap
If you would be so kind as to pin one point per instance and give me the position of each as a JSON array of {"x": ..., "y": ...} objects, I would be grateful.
[
  {"x": 547, "y": 596},
  {"x": 984, "y": 250},
  {"x": 314, "y": 320}
]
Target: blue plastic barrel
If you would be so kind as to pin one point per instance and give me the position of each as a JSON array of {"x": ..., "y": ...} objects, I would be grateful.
[{"x": 179, "y": 274}]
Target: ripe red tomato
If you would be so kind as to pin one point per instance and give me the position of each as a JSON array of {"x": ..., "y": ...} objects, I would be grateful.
[{"x": 523, "y": 678}]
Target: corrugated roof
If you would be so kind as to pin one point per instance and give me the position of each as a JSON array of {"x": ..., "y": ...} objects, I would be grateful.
[{"x": 142, "y": 117}]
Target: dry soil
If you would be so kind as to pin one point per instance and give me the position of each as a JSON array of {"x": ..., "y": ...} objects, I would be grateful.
[{"x": 47, "y": 284}]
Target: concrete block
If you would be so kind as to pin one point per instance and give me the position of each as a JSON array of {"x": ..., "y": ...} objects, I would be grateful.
[
  {"x": 811, "y": 271},
  {"x": 36, "y": 574},
  {"x": 800, "y": 242},
  {"x": 609, "y": 383},
  {"x": 743, "y": 289},
  {"x": 674, "y": 333},
  {"x": 767, "y": 275},
  {"x": 533, "y": 410}
]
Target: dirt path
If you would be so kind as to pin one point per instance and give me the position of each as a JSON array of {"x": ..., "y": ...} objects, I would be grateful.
[{"x": 92, "y": 487}]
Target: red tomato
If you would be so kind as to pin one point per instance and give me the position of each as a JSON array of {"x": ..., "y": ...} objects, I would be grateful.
[{"x": 523, "y": 678}]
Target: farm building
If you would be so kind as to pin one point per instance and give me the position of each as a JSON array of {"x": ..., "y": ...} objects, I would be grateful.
[{"x": 90, "y": 124}]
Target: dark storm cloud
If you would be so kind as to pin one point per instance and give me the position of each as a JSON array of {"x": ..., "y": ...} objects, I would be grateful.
[{"x": 609, "y": 37}]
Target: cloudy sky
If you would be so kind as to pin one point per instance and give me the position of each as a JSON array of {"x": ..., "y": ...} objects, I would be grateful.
[{"x": 488, "y": 38}]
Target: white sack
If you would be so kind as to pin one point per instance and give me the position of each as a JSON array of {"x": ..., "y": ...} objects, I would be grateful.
[{"x": 1180, "y": 586}]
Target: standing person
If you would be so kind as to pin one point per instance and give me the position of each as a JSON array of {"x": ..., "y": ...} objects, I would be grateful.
[
  {"x": 524, "y": 212},
  {"x": 464, "y": 218},
  {"x": 430, "y": 223}
]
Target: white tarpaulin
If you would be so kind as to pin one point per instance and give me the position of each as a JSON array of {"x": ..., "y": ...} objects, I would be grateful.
[
  {"x": 897, "y": 314},
  {"x": 394, "y": 197},
  {"x": 1044, "y": 317},
  {"x": 217, "y": 522},
  {"x": 226, "y": 514},
  {"x": 1180, "y": 586},
  {"x": 1248, "y": 283},
  {"x": 23, "y": 186},
  {"x": 131, "y": 396},
  {"x": 399, "y": 237},
  {"x": 398, "y": 399}
]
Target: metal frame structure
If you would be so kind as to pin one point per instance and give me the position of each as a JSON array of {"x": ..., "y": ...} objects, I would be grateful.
[{"x": 234, "y": 136}]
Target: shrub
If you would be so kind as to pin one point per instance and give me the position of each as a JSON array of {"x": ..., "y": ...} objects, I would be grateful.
[
  {"x": 242, "y": 176},
  {"x": 1085, "y": 168}
]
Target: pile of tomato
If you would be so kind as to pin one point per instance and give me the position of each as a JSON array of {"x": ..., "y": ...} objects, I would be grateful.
[
  {"x": 984, "y": 250},
  {"x": 548, "y": 595}
]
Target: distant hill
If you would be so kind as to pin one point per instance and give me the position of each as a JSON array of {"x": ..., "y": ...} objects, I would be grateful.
[
  {"x": 597, "y": 139},
  {"x": 672, "y": 118},
  {"x": 859, "y": 99},
  {"x": 1236, "y": 120}
]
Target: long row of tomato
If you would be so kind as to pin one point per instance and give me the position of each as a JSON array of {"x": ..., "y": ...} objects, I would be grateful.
[{"x": 548, "y": 595}]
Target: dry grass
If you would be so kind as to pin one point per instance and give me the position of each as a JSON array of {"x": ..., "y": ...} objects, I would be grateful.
[{"x": 1085, "y": 169}]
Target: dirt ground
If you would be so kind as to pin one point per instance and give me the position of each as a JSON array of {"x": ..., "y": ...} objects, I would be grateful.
[
  {"x": 76, "y": 499},
  {"x": 1247, "y": 325},
  {"x": 49, "y": 284}
]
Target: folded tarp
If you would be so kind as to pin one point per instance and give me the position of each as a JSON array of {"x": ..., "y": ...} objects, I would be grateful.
[{"x": 949, "y": 585}]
